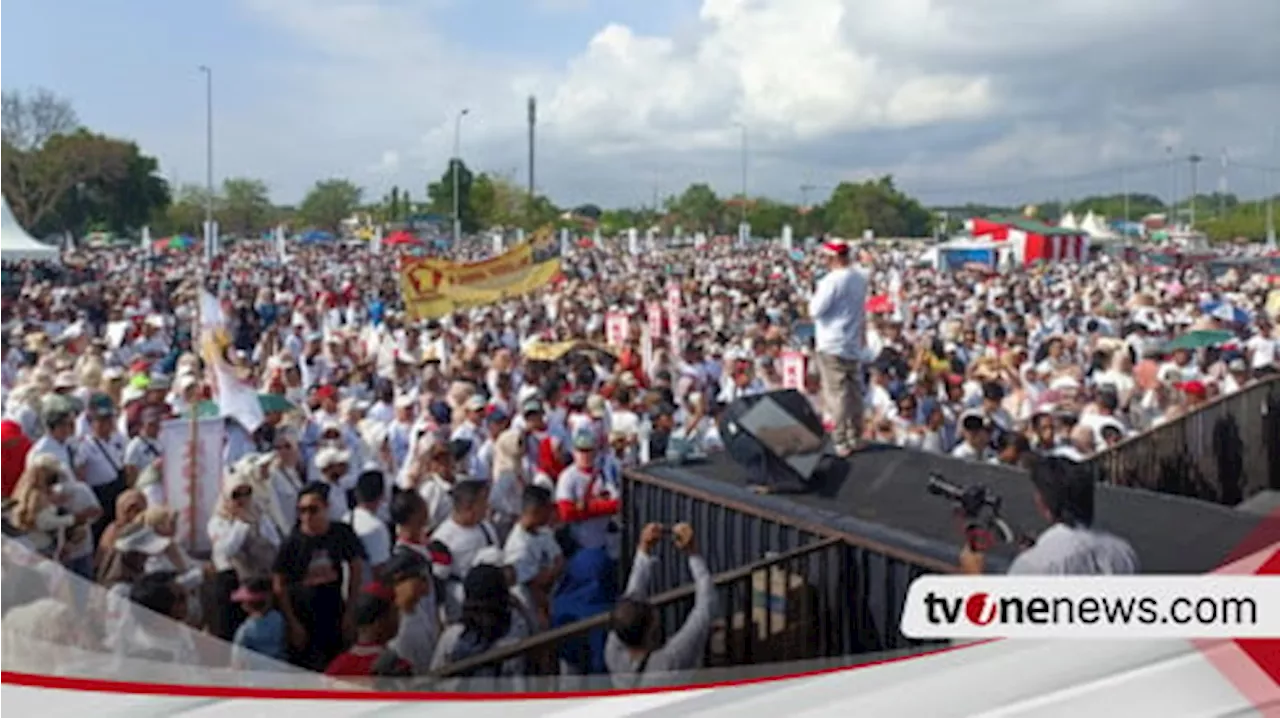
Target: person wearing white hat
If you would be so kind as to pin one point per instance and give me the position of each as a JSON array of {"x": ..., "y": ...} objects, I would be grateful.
[
  {"x": 838, "y": 310},
  {"x": 333, "y": 465}
]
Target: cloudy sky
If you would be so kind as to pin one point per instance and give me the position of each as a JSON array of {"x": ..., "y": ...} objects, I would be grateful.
[{"x": 982, "y": 100}]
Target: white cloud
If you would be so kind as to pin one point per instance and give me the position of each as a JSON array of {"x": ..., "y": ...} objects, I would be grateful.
[{"x": 927, "y": 89}]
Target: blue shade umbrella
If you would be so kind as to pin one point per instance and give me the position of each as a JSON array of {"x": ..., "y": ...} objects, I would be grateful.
[
  {"x": 315, "y": 236},
  {"x": 1227, "y": 312}
]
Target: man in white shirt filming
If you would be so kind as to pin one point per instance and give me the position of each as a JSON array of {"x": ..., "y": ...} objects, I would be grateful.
[
  {"x": 1070, "y": 546},
  {"x": 839, "y": 312}
]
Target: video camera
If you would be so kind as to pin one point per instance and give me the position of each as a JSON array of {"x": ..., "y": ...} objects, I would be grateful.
[{"x": 979, "y": 507}]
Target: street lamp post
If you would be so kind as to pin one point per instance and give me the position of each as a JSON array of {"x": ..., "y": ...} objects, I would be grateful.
[
  {"x": 208, "y": 160},
  {"x": 1173, "y": 187},
  {"x": 1195, "y": 160},
  {"x": 457, "y": 160},
  {"x": 742, "y": 215}
]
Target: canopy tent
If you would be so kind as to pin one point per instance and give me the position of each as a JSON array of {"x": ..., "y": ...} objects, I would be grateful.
[
  {"x": 1097, "y": 228},
  {"x": 18, "y": 246},
  {"x": 1032, "y": 241},
  {"x": 1069, "y": 221},
  {"x": 403, "y": 237}
]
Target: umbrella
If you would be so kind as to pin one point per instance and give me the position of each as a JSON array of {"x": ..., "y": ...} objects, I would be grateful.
[
  {"x": 402, "y": 237},
  {"x": 268, "y": 402},
  {"x": 879, "y": 304},
  {"x": 177, "y": 242},
  {"x": 315, "y": 236},
  {"x": 1199, "y": 339},
  {"x": 1227, "y": 312}
]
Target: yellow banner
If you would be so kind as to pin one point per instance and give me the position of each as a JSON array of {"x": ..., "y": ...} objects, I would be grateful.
[
  {"x": 1273, "y": 304},
  {"x": 433, "y": 288}
]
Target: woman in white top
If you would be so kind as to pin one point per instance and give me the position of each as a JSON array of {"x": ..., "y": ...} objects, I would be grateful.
[{"x": 244, "y": 546}]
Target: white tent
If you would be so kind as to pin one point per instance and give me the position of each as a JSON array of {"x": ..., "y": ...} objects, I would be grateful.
[
  {"x": 1069, "y": 221},
  {"x": 18, "y": 246},
  {"x": 1097, "y": 228}
]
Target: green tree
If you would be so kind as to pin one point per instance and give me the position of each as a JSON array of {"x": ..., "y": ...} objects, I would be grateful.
[
  {"x": 329, "y": 202},
  {"x": 697, "y": 209},
  {"x": 245, "y": 207},
  {"x": 876, "y": 205},
  {"x": 440, "y": 195},
  {"x": 185, "y": 214},
  {"x": 498, "y": 202},
  {"x": 118, "y": 202}
]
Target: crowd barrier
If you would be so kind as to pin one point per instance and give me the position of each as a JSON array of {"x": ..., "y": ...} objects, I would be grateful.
[
  {"x": 785, "y": 591},
  {"x": 1225, "y": 452}
]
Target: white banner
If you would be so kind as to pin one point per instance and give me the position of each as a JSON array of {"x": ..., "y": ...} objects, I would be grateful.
[
  {"x": 651, "y": 239},
  {"x": 175, "y": 449},
  {"x": 633, "y": 241},
  {"x": 375, "y": 244},
  {"x": 498, "y": 244},
  {"x": 564, "y": 241},
  {"x": 280, "y": 243},
  {"x": 700, "y": 240},
  {"x": 597, "y": 239},
  {"x": 788, "y": 241},
  {"x": 519, "y": 235},
  {"x": 794, "y": 369},
  {"x": 1142, "y": 607},
  {"x": 617, "y": 326},
  {"x": 654, "y": 315}
]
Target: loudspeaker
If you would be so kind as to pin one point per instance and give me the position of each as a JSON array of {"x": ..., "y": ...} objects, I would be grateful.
[{"x": 776, "y": 436}]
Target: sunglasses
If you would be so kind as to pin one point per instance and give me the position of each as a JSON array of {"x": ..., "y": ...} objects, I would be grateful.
[{"x": 308, "y": 510}]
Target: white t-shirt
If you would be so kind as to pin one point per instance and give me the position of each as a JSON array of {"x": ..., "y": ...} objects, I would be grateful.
[
  {"x": 573, "y": 486},
  {"x": 1263, "y": 350},
  {"x": 464, "y": 543},
  {"x": 375, "y": 536},
  {"x": 839, "y": 312},
  {"x": 141, "y": 452},
  {"x": 102, "y": 459},
  {"x": 530, "y": 553}
]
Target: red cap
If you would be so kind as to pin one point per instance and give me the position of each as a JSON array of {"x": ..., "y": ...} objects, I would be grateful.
[
  {"x": 140, "y": 367},
  {"x": 1194, "y": 388},
  {"x": 955, "y": 379},
  {"x": 326, "y": 392},
  {"x": 835, "y": 247}
]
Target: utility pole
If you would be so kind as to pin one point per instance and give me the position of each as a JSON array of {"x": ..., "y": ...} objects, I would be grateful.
[
  {"x": 1173, "y": 187},
  {"x": 1124, "y": 189},
  {"x": 208, "y": 160},
  {"x": 533, "y": 121},
  {"x": 457, "y": 162},
  {"x": 1222, "y": 187},
  {"x": 1195, "y": 161}
]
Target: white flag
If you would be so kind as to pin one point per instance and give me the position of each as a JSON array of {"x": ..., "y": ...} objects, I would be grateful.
[{"x": 236, "y": 398}]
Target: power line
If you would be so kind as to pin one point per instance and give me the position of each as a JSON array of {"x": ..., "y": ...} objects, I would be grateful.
[{"x": 1023, "y": 183}]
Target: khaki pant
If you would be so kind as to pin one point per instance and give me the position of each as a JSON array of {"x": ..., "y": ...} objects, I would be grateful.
[{"x": 842, "y": 397}]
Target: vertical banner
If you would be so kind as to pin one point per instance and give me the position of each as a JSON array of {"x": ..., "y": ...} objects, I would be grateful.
[
  {"x": 498, "y": 247},
  {"x": 651, "y": 239},
  {"x": 617, "y": 326},
  {"x": 677, "y": 234},
  {"x": 788, "y": 241},
  {"x": 674, "y": 315},
  {"x": 564, "y": 241},
  {"x": 794, "y": 369},
  {"x": 744, "y": 234},
  {"x": 280, "y": 248},
  {"x": 175, "y": 449},
  {"x": 646, "y": 350},
  {"x": 596, "y": 239},
  {"x": 633, "y": 241},
  {"x": 146, "y": 242},
  {"x": 519, "y": 235},
  {"x": 654, "y": 316},
  {"x": 700, "y": 240},
  {"x": 375, "y": 243}
]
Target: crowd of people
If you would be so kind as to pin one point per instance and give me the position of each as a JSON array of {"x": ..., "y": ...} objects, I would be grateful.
[{"x": 426, "y": 491}]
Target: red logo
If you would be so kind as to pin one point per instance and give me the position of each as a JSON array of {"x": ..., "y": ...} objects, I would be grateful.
[{"x": 980, "y": 609}]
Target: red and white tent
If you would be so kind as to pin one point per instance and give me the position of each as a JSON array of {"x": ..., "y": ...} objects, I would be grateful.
[{"x": 1033, "y": 241}]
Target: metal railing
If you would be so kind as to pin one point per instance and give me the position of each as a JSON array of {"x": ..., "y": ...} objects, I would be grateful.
[
  {"x": 788, "y": 607},
  {"x": 1225, "y": 452}
]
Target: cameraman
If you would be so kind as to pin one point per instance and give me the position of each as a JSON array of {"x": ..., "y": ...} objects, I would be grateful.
[{"x": 1070, "y": 546}]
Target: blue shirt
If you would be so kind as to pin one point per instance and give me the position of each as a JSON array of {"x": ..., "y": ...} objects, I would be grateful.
[{"x": 264, "y": 635}]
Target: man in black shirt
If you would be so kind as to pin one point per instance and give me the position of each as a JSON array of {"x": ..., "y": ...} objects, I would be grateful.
[{"x": 308, "y": 581}]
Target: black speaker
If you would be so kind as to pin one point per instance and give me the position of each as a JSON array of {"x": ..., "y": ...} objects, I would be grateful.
[{"x": 776, "y": 436}]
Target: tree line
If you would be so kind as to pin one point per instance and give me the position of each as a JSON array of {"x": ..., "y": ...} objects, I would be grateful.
[{"x": 61, "y": 176}]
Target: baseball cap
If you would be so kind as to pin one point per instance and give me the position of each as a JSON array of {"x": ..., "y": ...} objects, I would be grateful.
[
  {"x": 330, "y": 456},
  {"x": 595, "y": 406},
  {"x": 584, "y": 441},
  {"x": 476, "y": 403},
  {"x": 101, "y": 406},
  {"x": 532, "y": 406}
]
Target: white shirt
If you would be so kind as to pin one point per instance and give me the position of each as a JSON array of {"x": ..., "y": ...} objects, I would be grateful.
[
  {"x": 141, "y": 452},
  {"x": 530, "y": 553},
  {"x": 573, "y": 486},
  {"x": 437, "y": 493},
  {"x": 375, "y": 536},
  {"x": 1063, "y": 550},
  {"x": 839, "y": 312},
  {"x": 63, "y": 452},
  {"x": 1263, "y": 351}
]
